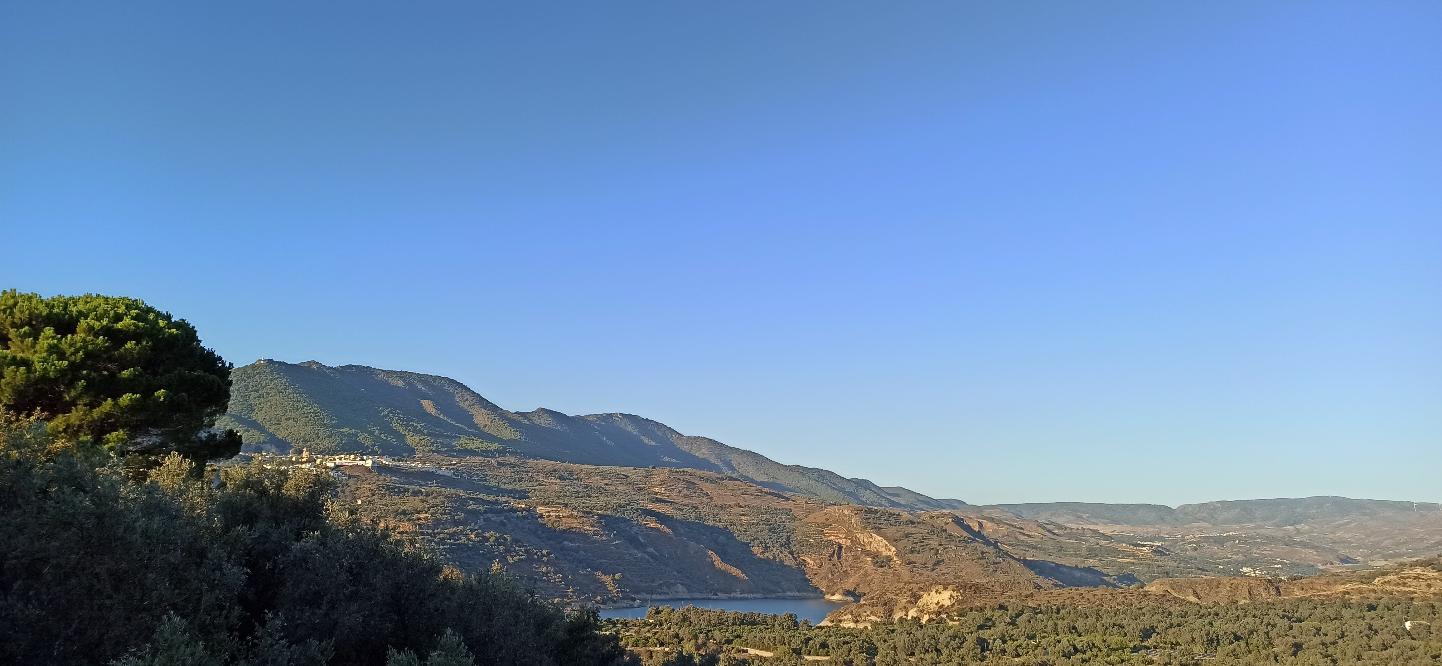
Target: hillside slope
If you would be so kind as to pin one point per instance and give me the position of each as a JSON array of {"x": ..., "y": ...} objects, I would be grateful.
[
  {"x": 280, "y": 406},
  {"x": 600, "y": 534}
]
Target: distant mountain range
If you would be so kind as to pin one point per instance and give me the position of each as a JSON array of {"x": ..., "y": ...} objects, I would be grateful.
[
  {"x": 280, "y": 406},
  {"x": 605, "y": 508},
  {"x": 1281, "y": 512}
]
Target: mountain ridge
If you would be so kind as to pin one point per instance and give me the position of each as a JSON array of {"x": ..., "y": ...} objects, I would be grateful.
[
  {"x": 1273, "y": 512},
  {"x": 278, "y": 406},
  {"x": 334, "y": 409}
]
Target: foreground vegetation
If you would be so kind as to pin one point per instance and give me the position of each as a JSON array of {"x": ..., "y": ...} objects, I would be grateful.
[
  {"x": 254, "y": 566},
  {"x": 117, "y": 544},
  {"x": 1297, "y": 631}
]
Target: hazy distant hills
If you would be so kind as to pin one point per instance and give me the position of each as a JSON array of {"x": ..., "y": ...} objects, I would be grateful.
[
  {"x": 1288, "y": 536},
  {"x": 1091, "y": 513},
  {"x": 1290, "y": 512},
  {"x": 280, "y": 406},
  {"x": 1282, "y": 512}
]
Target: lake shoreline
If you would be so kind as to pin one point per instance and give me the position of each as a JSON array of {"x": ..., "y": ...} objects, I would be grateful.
[
  {"x": 642, "y": 601},
  {"x": 809, "y": 608}
]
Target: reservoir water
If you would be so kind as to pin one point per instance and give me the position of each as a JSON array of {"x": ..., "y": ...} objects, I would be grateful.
[{"x": 813, "y": 610}]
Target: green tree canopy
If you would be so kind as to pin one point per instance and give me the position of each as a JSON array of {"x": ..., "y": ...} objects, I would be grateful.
[{"x": 113, "y": 372}]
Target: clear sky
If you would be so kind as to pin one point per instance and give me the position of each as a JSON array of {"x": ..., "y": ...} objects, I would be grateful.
[{"x": 1010, "y": 251}]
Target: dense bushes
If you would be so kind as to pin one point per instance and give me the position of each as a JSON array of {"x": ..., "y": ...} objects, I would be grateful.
[{"x": 250, "y": 566}]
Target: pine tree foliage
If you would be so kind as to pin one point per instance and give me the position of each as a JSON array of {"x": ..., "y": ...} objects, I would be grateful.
[{"x": 113, "y": 372}]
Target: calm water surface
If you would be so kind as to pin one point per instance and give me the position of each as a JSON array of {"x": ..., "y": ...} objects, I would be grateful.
[{"x": 814, "y": 610}]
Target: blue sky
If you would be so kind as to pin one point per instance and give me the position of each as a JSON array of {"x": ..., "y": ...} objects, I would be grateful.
[{"x": 1110, "y": 251}]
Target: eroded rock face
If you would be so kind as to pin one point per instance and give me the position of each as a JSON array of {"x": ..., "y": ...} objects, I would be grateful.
[
  {"x": 908, "y": 565},
  {"x": 933, "y": 602},
  {"x": 843, "y": 526}
]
